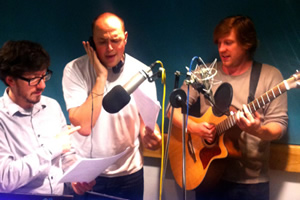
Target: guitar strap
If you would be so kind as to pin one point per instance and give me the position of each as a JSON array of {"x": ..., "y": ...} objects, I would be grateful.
[{"x": 255, "y": 73}]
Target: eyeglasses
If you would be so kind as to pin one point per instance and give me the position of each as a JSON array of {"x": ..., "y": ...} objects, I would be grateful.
[{"x": 37, "y": 80}]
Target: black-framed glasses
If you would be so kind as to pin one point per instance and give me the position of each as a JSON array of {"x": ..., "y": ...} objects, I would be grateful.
[{"x": 37, "y": 80}]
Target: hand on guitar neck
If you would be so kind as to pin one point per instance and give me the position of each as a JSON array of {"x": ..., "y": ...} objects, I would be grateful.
[
  {"x": 248, "y": 122},
  {"x": 251, "y": 123}
]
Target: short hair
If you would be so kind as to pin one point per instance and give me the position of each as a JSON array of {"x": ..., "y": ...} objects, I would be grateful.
[
  {"x": 18, "y": 57},
  {"x": 244, "y": 29},
  {"x": 105, "y": 15}
]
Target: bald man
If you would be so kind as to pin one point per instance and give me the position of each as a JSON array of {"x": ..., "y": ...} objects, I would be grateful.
[{"x": 86, "y": 80}]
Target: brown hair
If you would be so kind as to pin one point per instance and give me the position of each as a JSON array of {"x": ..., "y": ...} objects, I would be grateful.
[
  {"x": 18, "y": 57},
  {"x": 244, "y": 29}
]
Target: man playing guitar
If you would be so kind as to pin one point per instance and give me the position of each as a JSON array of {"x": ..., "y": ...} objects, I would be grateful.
[{"x": 246, "y": 176}]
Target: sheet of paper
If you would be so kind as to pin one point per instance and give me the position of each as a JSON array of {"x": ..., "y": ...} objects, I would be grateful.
[
  {"x": 87, "y": 169},
  {"x": 148, "y": 108}
]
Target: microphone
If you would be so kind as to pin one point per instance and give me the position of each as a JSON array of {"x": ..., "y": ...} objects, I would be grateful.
[
  {"x": 119, "y": 96},
  {"x": 202, "y": 78}
]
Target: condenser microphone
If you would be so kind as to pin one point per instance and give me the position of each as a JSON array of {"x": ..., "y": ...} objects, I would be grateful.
[
  {"x": 202, "y": 79},
  {"x": 119, "y": 96}
]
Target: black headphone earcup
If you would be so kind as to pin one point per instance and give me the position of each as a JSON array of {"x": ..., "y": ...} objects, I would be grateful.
[
  {"x": 92, "y": 43},
  {"x": 118, "y": 67}
]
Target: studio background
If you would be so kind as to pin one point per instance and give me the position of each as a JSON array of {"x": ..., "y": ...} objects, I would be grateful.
[{"x": 170, "y": 31}]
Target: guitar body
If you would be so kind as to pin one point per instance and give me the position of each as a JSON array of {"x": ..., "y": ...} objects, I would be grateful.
[{"x": 210, "y": 164}]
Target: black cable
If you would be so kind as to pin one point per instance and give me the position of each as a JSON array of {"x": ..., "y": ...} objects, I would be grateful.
[{"x": 91, "y": 150}]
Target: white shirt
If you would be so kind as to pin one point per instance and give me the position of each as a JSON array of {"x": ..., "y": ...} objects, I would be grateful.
[{"x": 112, "y": 133}]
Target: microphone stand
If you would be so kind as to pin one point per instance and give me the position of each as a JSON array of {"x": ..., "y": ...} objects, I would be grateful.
[
  {"x": 165, "y": 162},
  {"x": 177, "y": 100},
  {"x": 155, "y": 76}
]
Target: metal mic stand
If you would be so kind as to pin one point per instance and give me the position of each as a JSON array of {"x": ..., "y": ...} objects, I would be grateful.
[
  {"x": 178, "y": 100},
  {"x": 165, "y": 162},
  {"x": 155, "y": 76}
]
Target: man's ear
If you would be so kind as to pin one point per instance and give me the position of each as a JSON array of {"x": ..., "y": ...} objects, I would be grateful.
[
  {"x": 247, "y": 46},
  {"x": 10, "y": 81},
  {"x": 126, "y": 36}
]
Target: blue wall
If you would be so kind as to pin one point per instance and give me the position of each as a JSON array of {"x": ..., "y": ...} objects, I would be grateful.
[{"x": 170, "y": 31}]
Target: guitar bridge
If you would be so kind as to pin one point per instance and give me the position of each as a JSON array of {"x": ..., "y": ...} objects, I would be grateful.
[{"x": 191, "y": 147}]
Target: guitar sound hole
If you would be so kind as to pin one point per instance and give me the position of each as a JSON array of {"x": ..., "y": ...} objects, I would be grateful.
[{"x": 208, "y": 153}]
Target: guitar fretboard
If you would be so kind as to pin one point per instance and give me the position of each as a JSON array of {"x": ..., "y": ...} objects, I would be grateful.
[
  {"x": 256, "y": 104},
  {"x": 267, "y": 97}
]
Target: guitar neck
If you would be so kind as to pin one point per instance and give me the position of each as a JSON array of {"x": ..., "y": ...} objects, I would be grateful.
[
  {"x": 256, "y": 104},
  {"x": 267, "y": 97}
]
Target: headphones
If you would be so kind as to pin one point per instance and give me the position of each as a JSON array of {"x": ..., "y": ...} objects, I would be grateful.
[{"x": 115, "y": 69}]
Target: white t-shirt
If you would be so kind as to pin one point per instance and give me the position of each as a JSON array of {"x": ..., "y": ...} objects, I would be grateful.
[{"x": 112, "y": 133}]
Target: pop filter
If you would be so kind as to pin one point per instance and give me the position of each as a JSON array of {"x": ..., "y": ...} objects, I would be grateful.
[{"x": 223, "y": 98}]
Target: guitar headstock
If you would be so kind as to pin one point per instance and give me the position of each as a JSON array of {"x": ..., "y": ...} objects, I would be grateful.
[{"x": 294, "y": 81}]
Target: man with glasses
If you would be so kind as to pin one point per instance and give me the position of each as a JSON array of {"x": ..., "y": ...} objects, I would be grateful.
[
  {"x": 34, "y": 138},
  {"x": 36, "y": 81}
]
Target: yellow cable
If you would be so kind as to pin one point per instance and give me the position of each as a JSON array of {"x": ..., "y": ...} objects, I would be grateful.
[{"x": 163, "y": 81}]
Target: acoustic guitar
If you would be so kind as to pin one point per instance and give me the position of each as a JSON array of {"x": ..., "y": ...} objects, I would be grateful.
[{"x": 205, "y": 162}]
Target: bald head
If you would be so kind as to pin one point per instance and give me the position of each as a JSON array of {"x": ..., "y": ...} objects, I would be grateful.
[{"x": 108, "y": 20}]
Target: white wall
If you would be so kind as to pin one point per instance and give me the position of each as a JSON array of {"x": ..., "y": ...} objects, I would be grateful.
[
  {"x": 283, "y": 185},
  {"x": 171, "y": 190}
]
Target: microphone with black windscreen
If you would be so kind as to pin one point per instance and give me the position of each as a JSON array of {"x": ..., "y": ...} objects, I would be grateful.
[
  {"x": 115, "y": 99},
  {"x": 119, "y": 96}
]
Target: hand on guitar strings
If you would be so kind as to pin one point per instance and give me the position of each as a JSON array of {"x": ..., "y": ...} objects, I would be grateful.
[
  {"x": 206, "y": 131},
  {"x": 248, "y": 122}
]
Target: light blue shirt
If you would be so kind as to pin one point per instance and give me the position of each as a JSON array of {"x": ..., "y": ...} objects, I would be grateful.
[{"x": 30, "y": 160}]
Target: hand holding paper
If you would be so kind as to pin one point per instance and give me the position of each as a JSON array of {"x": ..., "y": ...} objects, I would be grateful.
[
  {"x": 87, "y": 169},
  {"x": 152, "y": 139},
  {"x": 81, "y": 188}
]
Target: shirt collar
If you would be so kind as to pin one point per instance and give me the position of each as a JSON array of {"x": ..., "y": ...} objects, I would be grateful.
[{"x": 12, "y": 108}]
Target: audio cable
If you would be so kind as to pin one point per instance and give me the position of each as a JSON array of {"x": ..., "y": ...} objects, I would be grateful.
[{"x": 163, "y": 81}]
